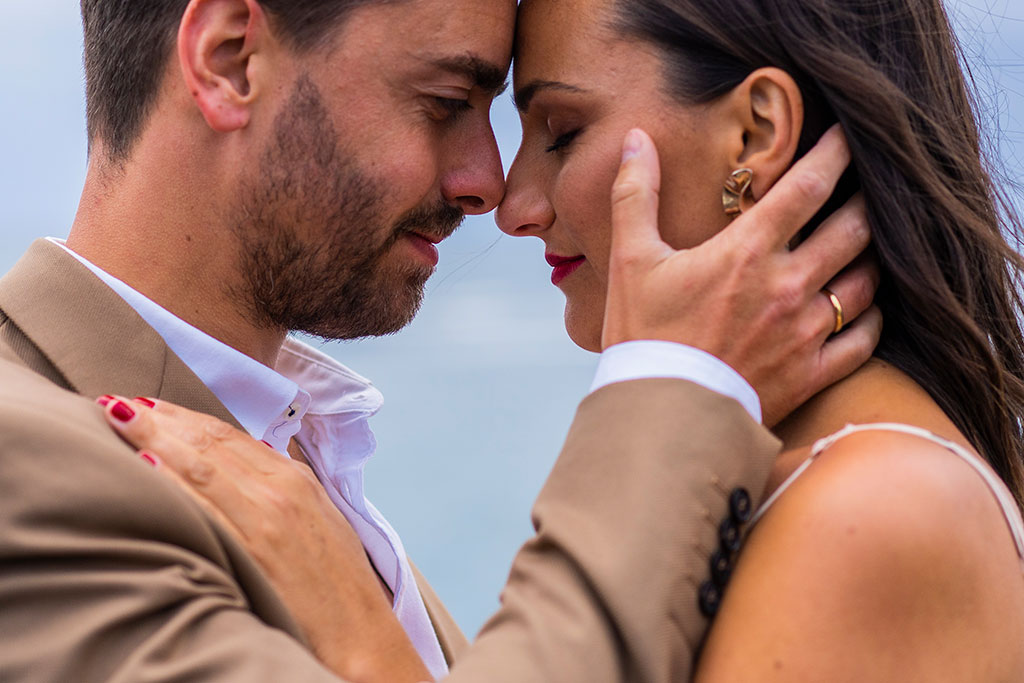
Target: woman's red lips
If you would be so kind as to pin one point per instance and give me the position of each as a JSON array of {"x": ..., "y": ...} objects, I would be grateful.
[{"x": 564, "y": 266}]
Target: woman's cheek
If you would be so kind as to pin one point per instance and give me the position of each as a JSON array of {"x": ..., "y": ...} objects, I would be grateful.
[
  {"x": 589, "y": 184},
  {"x": 585, "y": 186}
]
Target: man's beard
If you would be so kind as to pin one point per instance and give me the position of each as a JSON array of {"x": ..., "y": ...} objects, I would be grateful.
[{"x": 312, "y": 244}]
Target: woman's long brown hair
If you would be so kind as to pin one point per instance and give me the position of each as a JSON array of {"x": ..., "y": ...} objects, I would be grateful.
[{"x": 888, "y": 71}]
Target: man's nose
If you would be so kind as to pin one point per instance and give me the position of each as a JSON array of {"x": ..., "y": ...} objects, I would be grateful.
[{"x": 477, "y": 183}]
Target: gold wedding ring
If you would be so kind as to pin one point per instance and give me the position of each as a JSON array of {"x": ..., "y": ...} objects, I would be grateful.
[{"x": 837, "y": 308}]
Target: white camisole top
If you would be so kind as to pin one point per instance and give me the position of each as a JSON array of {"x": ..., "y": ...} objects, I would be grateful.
[{"x": 1003, "y": 496}]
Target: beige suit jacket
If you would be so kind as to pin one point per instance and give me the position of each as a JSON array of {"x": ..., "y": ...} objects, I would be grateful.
[{"x": 109, "y": 573}]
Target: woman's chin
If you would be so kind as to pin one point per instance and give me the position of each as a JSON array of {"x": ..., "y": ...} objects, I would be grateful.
[{"x": 585, "y": 333}]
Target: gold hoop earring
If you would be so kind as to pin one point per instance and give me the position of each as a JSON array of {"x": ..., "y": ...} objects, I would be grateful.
[{"x": 736, "y": 185}]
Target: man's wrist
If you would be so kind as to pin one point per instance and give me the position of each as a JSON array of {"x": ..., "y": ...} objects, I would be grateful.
[{"x": 660, "y": 359}]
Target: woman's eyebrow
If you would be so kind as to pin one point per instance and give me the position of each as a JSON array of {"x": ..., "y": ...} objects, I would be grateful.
[{"x": 523, "y": 96}]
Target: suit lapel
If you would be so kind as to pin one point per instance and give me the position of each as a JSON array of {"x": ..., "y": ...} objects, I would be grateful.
[
  {"x": 100, "y": 345},
  {"x": 92, "y": 337}
]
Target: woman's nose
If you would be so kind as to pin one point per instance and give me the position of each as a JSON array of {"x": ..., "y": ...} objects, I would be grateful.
[{"x": 525, "y": 211}]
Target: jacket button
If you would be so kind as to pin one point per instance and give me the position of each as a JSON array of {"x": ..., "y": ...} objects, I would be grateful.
[
  {"x": 721, "y": 569},
  {"x": 730, "y": 537},
  {"x": 741, "y": 506},
  {"x": 710, "y": 599}
]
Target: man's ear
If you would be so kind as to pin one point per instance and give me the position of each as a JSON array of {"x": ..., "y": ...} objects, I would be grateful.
[
  {"x": 216, "y": 43},
  {"x": 771, "y": 110}
]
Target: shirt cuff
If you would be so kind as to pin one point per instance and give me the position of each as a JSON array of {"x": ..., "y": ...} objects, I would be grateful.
[{"x": 659, "y": 359}]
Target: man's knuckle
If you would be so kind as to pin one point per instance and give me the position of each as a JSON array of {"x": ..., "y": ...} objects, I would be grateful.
[
  {"x": 854, "y": 227},
  {"x": 629, "y": 189},
  {"x": 860, "y": 228},
  {"x": 749, "y": 255},
  {"x": 865, "y": 292},
  {"x": 626, "y": 189},
  {"x": 789, "y": 294},
  {"x": 813, "y": 186}
]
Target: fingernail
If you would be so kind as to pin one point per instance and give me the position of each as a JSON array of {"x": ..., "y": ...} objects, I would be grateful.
[
  {"x": 149, "y": 457},
  {"x": 631, "y": 147},
  {"x": 145, "y": 401},
  {"x": 104, "y": 400},
  {"x": 267, "y": 444},
  {"x": 122, "y": 412}
]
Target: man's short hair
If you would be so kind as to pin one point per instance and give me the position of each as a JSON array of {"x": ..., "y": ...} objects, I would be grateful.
[{"x": 128, "y": 43}]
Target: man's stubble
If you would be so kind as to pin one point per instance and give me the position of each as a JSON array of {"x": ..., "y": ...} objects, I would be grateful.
[{"x": 313, "y": 245}]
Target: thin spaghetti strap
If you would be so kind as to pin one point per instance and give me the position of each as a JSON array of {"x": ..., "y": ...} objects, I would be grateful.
[{"x": 1011, "y": 512}]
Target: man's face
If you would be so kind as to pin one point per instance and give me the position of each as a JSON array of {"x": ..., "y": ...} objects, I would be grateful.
[{"x": 380, "y": 145}]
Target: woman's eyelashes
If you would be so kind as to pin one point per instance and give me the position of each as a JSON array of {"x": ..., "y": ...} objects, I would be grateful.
[{"x": 564, "y": 140}]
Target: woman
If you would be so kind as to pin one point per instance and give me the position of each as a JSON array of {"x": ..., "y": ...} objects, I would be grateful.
[{"x": 888, "y": 552}]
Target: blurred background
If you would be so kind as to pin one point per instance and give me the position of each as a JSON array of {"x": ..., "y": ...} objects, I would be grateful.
[{"x": 480, "y": 390}]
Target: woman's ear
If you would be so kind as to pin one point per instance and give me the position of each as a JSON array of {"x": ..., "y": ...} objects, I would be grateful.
[
  {"x": 772, "y": 112},
  {"x": 217, "y": 40}
]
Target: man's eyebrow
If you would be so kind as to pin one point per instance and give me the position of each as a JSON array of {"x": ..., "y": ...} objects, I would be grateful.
[
  {"x": 485, "y": 75},
  {"x": 525, "y": 95}
]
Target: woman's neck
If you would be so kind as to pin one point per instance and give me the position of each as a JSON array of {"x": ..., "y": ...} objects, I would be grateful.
[{"x": 877, "y": 392}]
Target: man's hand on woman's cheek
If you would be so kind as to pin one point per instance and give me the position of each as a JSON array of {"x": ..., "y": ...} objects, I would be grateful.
[{"x": 743, "y": 296}]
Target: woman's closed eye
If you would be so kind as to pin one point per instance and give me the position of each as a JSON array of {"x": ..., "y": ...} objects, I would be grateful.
[{"x": 564, "y": 140}]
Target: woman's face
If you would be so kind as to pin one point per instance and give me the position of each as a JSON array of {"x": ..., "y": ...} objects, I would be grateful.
[{"x": 580, "y": 88}]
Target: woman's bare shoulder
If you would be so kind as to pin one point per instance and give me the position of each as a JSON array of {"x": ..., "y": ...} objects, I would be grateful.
[
  {"x": 901, "y": 488},
  {"x": 907, "y": 481},
  {"x": 888, "y": 559}
]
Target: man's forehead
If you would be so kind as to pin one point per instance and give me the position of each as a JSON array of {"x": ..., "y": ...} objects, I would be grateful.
[{"x": 473, "y": 37}]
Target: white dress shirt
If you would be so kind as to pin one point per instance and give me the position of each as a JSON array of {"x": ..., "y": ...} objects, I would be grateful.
[
  {"x": 326, "y": 408},
  {"x": 653, "y": 359}
]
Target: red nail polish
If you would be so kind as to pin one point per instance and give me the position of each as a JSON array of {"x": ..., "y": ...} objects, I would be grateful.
[
  {"x": 148, "y": 457},
  {"x": 145, "y": 401},
  {"x": 267, "y": 444},
  {"x": 104, "y": 400},
  {"x": 121, "y": 412}
]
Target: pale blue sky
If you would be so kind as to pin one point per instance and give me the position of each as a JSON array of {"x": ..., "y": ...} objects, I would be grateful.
[{"x": 480, "y": 390}]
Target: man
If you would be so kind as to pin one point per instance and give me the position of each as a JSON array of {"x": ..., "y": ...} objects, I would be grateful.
[{"x": 261, "y": 167}]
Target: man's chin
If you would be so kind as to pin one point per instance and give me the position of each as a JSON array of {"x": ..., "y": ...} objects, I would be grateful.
[{"x": 375, "y": 314}]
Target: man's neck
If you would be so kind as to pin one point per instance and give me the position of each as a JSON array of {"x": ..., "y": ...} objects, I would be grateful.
[{"x": 165, "y": 242}]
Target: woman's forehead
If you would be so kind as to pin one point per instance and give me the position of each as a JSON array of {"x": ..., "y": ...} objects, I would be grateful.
[{"x": 559, "y": 32}]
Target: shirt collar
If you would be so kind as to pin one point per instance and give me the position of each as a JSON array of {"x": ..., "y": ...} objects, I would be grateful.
[
  {"x": 268, "y": 403},
  {"x": 336, "y": 437}
]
